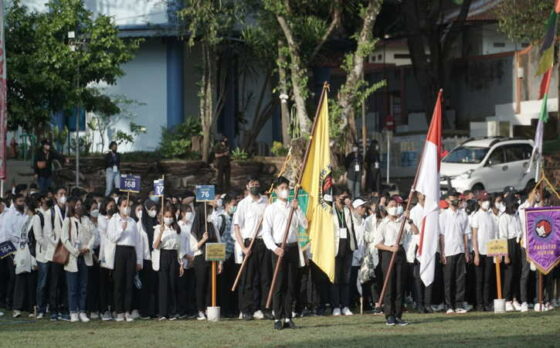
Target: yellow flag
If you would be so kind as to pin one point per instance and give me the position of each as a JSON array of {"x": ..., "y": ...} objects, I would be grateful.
[{"x": 317, "y": 182}]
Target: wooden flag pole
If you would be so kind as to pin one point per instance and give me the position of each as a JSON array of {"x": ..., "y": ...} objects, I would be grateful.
[
  {"x": 213, "y": 297},
  {"x": 498, "y": 277},
  {"x": 163, "y": 194},
  {"x": 296, "y": 193}
]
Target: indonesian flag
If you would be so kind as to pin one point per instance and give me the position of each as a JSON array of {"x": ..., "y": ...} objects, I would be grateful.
[{"x": 427, "y": 183}]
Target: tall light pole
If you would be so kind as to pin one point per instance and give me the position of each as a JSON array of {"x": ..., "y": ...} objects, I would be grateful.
[{"x": 74, "y": 47}]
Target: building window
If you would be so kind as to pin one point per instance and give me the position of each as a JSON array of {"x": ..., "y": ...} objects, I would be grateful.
[
  {"x": 499, "y": 44},
  {"x": 525, "y": 44},
  {"x": 401, "y": 56}
]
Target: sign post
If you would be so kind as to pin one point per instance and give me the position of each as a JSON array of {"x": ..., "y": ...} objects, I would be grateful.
[{"x": 498, "y": 248}]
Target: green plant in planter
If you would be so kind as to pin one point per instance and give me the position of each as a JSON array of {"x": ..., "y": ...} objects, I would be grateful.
[
  {"x": 177, "y": 142},
  {"x": 278, "y": 149},
  {"x": 239, "y": 154}
]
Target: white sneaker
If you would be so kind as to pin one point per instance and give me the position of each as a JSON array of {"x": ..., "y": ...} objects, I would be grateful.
[
  {"x": 240, "y": 316},
  {"x": 516, "y": 306},
  {"x": 336, "y": 312},
  {"x": 135, "y": 314},
  {"x": 346, "y": 311},
  {"x": 84, "y": 318},
  {"x": 162, "y": 318},
  {"x": 201, "y": 316},
  {"x": 120, "y": 317},
  {"x": 460, "y": 311},
  {"x": 258, "y": 315},
  {"x": 450, "y": 311},
  {"x": 94, "y": 315},
  {"x": 1, "y": 314},
  {"x": 537, "y": 307},
  {"x": 39, "y": 316},
  {"x": 16, "y": 314},
  {"x": 548, "y": 307},
  {"x": 106, "y": 316},
  {"x": 74, "y": 318},
  {"x": 129, "y": 317},
  {"x": 31, "y": 315},
  {"x": 524, "y": 307},
  {"x": 509, "y": 306}
]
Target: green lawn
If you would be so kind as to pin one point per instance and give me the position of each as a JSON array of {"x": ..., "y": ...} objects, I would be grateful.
[{"x": 473, "y": 329}]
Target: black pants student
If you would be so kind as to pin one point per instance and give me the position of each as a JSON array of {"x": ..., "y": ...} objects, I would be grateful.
[
  {"x": 393, "y": 300},
  {"x": 148, "y": 293},
  {"x": 105, "y": 290},
  {"x": 227, "y": 298},
  {"x": 321, "y": 284},
  {"x": 93, "y": 288},
  {"x": 123, "y": 277},
  {"x": 340, "y": 289},
  {"x": 454, "y": 272},
  {"x": 512, "y": 270},
  {"x": 167, "y": 277},
  {"x": 484, "y": 275},
  {"x": 24, "y": 291},
  {"x": 202, "y": 275},
  {"x": 423, "y": 292},
  {"x": 256, "y": 278},
  {"x": 525, "y": 277},
  {"x": 283, "y": 295},
  {"x": 186, "y": 299},
  {"x": 58, "y": 298}
]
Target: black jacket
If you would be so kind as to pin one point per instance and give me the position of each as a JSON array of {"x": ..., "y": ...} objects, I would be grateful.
[
  {"x": 113, "y": 160},
  {"x": 47, "y": 157}
]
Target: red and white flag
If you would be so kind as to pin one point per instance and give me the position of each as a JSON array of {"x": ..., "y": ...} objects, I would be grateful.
[{"x": 427, "y": 183}]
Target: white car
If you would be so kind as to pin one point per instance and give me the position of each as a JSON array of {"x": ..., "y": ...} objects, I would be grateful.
[{"x": 490, "y": 164}]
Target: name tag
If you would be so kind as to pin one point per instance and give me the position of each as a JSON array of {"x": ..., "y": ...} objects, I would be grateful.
[
  {"x": 343, "y": 233},
  {"x": 376, "y": 165},
  {"x": 115, "y": 169},
  {"x": 357, "y": 168}
]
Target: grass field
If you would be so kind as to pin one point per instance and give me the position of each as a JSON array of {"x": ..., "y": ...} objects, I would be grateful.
[{"x": 433, "y": 330}]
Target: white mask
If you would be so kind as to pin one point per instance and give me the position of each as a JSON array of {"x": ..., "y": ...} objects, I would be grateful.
[
  {"x": 485, "y": 205},
  {"x": 400, "y": 210},
  {"x": 62, "y": 200},
  {"x": 94, "y": 213},
  {"x": 219, "y": 202},
  {"x": 152, "y": 213},
  {"x": 393, "y": 211},
  {"x": 139, "y": 214},
  {"x": 188, "y": 216},
  {"x": 125, "y": 211},
  {"x": 501, "y": 207},
  {"x": 283, "y": 194},
  {"x": 167, "y": 221}
]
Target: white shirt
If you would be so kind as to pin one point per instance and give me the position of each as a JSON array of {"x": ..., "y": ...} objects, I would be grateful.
[
  {"x": 388, "y": 232},
  {"x": 170, "y": 239},
  {"x": 509, "y": 226},
  {"x": 248, "y": 214},
  {"x": 411, "y": 241},
  {"x": 42, "y": 234},
  {"x": 359, "y": 231},
  {"x": 275, "y": 221},
  {"x": 185, "y": 241},
  {"x": 453, "y": 225},
  {"x": 485, "y": 222},
  {"x": 126, "y": 237},
  {"x": 2, "y": 219},
  {"x": 13, "y": 225},
  {"x": 523, "y": 220}
]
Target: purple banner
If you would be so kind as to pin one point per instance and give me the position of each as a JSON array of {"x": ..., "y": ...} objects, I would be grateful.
[{"x": 543, "y": 237}]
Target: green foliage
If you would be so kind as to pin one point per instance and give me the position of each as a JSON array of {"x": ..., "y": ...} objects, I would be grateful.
[
  {"x": 523, "y": 20},
  {"x": 177, "y": 142},
  {"x": 278, "y": 149},
  {"x": 60, "y": 136},
  {"x": 239, "y": 154},
  {"x": 48, "y": 72}
]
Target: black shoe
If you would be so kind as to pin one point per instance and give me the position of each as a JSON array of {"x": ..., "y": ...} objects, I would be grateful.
[
  {"x": 428, "y": 309},
  {"x": 480, "y": 308},
  {"x": 278, "y": 325},
  {"x": 320, "y": 311},
  {"x": 391, "y": 321},
  {"x": 247, "y": 317},
  {"x": 400, "y": 322},
  {"x": 421, "y": 309},
  {"x": 290, "y": 325},
  {"x": 377, "y": 311},
  {"x": 268, "y": 315}
]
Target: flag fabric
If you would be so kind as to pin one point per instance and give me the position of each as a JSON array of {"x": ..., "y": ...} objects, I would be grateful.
[
  {"x": 557, "y": 6},
  {"x": 545, "y": 83},
  {"x": 543, "y": 118},
  {"x": 546, "y": 51},
  {"x": 427, "y": 183},
  {"x": 3, "y": 98},
  {"x": 317, "y": 182}
]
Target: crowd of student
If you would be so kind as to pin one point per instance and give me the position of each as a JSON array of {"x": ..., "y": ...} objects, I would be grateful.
[{"x": 141, "y": 258}]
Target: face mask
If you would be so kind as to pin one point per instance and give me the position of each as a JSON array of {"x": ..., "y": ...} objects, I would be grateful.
[
  {"x": 188, "y": 216},
  {"x": 168, "y": 221},
  {"x": 20, "y": 208},
  {"x": 62, "y": 200},
  {"x": 455, "y": 202},
  {"x": 219, "y": 202},
  {"x": 154, "y": 199},
  {"x": 283, "y": 194},
  {"x": 485, "y": 205},
  {"x": 400, "y": 210},
  {"x": 139, "y": 214},
  {"x": 125, "y": 211},
  {"x": 501, "y": 207},
  {"x": 392, "y": 211},
  {"x": 255, "y": 190},
  {"x": 152, "y": 213},
  {"x": 94, "y": 213}
]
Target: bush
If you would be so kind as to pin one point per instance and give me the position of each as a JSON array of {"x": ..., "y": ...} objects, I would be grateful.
[
  {"x": 177, "y": 142},
  {"x": 278, "y": 149},
  {"x": 239, "y": 155}
]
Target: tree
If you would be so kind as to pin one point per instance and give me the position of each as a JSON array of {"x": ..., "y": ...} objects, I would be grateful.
[
  {"x": 523, "y": 20},
  {"x": 46, "y": 74}
]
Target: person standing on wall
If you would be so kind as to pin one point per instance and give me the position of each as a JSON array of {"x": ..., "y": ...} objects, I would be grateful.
[
  {"x": 354, "y": 166},
  {"x": 112, "y": 168},
  {"x": 42, "y": 165},
  {"x": 373, "y": 172},
  {"x": 222, "y": 162}
]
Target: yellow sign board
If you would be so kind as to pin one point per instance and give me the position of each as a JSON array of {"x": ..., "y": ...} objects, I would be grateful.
[
  {"x": 497, "y": 247},
  {"x": 215, "y": 251}
]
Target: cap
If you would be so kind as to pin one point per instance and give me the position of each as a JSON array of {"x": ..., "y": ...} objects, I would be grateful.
[
  {"x": 482, "y": 195},
  {"x": 358, "y": 202},
  {"x": 397, "y": 199},
  {"x": 443, "y": 204},
  {"x": 510, "y": 189}
]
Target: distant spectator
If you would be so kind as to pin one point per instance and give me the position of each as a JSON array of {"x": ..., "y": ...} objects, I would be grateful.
[
  {"x": 42, "y": 165},
  {"x": 354, "y": 167},
  {"x": 112, "y": 168},
  {"x": 222, "y": 162}
]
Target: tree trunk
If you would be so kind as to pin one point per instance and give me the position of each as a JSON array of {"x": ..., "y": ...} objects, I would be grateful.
[
  {"x": 284, "y": 108},
  {"x": 206, "y": 100}
]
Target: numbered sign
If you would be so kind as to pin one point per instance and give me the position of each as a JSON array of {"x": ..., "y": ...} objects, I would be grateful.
[
  {"x": 158, "y": 187},
  {"x": 205, "y": 193},
  {"x": 130, "y": 183},
  {"x": 215, "y": 251},
  {"x": 6, "y": 248}
]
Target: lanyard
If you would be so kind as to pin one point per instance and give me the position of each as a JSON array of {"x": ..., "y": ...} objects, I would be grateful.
[{"x": 341, "y": 218}]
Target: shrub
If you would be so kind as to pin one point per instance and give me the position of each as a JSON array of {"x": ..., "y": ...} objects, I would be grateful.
[{"x": 177, "y": 141}]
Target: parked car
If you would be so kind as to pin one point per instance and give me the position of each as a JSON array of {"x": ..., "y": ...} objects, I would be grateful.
[{"x": 489, "y": 164}]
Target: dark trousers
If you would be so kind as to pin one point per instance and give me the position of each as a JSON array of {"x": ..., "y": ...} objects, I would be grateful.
[
  {"x": 512, "y": 270},
  {"x": 92, "y": 304},
  {"x": 376, "y": 284},
  {"x": 256, "y": 278},
  {"x": 340, "y": 289},
  {"x": 42, "y": 281},
  {"x": 222, "y": 179},
  {"x": 393, "y": 300},
  {"x": 58, "y": 299},
  {"x": 148, "y": 293},
  {"x": 186, "y": 299},
  {"x": 321, "y": 284},
  {"x": 167, "y": 277},
  {"x": 283, "y": 295},
  {"x": 5, "y": 298},
  {"x": 454, "y": 272},
  {"x": 373, "y": 179},
  {"x": 525, "y": 276},
  {"x": 423, "y": 292},
  {"x": 202, "y": 275},
  {"x": 227, "y": 298},
  {"x": 24, "y": 291},
  {"x": 105, "y": 290},
  {"x": 123, "y": 277},
  {"x": 484, "y": 274},
  {"x": 77, "y": 287}
]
